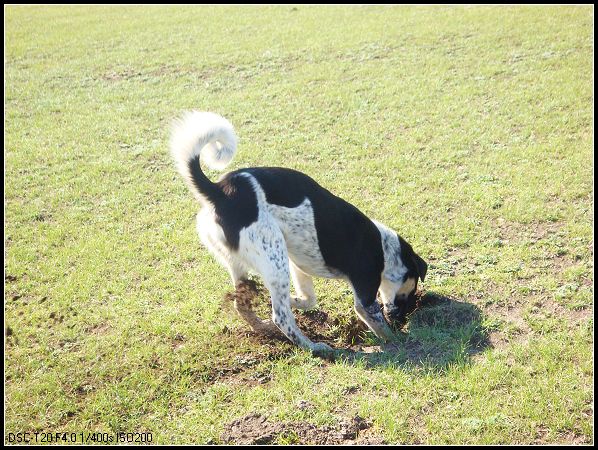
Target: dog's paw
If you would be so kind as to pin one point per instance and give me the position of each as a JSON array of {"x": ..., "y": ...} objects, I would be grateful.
[
  {"x": 303, "y": 303},
  {"x": 322, "y": 349}
]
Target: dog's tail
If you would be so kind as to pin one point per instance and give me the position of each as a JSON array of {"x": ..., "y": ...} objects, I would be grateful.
[{"x": 207, "y": 135}]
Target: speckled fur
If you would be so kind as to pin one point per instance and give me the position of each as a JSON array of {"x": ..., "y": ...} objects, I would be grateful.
[{"x": 263, "y": 248}]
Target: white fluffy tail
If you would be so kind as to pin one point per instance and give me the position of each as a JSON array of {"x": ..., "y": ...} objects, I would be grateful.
[{"x": 204, "y": 134}]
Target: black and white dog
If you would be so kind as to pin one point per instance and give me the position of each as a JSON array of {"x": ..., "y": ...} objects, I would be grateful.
[{"x": 281, "y": 224}]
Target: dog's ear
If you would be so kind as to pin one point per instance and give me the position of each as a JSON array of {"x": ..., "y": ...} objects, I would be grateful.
[
  {"x": 422, "y": 266},
  {"x": 407, "y": 254}
]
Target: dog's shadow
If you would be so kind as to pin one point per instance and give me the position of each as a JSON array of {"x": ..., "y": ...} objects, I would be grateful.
[{"x": 440, "y": 332}]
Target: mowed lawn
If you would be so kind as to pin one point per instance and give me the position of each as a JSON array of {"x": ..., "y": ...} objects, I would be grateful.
[{"x": 469, "y": 130}]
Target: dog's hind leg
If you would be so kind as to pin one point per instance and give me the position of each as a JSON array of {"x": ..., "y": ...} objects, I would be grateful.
[
  {"x": 212, "y": 237},
  {"x": 368, "y": 309},
  {"x": 304, "y": 287},
  {"x": 262, "y": 244},
  {"x": 245, "y": 292}
]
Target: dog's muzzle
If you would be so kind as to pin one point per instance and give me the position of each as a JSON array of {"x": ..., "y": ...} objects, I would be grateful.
[{"x": 402, "y": 308}]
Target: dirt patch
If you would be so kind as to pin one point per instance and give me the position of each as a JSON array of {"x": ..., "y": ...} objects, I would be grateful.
[
  {"x": 178, "y": 341},
  {"x": 321, "y": 328},
  {"x": 248, "y": 378},
  {"x": 56, "y": 318},
  {"x": 252, "y": 429},
  {"x": 98, "y": 328},
  {"x": 249, "y": 293},
  {"x": 246, "y": 369},
  {"x": 42, "y": 217},
  {"x": 435, "y": 330},
  {"x": 257, "y": 429},
  {"x": 516, "y": 318},
  {"x": 126, "y": 74},
  {"x": 515, "y": 232},
  {"x": 230, "y": 369},
  {"x": 545, "y": 436},
  {"x": 317, "y": 325}
]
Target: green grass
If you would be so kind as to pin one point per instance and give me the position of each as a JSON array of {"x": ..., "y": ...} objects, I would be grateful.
[{"x": 467, "y": 129}]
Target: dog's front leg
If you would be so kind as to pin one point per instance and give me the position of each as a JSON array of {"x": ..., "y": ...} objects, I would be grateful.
[
  {"x": 304, "y": 287},
  {"x": 369, "y": 311}
]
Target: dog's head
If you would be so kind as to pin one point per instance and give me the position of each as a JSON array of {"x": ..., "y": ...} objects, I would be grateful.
[{"x": 404, "y": 301}]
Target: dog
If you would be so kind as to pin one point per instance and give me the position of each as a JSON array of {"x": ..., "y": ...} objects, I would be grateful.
[{"x": 282, "y": 225}]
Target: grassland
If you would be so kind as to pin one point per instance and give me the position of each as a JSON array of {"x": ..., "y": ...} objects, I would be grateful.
[{"x": 467, "y": 129}]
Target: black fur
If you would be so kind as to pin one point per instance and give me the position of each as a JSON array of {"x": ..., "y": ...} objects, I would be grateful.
[
  {"x": 203, "y": 184},
  {"x": 236, "y": 208},
  {"x": 417, "y": 267}
]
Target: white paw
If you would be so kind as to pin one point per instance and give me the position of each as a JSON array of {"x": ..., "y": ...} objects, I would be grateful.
[{"x": 302, "y": 303}]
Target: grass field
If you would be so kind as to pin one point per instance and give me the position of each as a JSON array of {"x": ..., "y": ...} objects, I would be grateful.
[{"x": 467, "y": 129}]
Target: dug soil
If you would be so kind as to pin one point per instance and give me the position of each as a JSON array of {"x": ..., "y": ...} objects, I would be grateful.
[{"x": 257, "y": 429}]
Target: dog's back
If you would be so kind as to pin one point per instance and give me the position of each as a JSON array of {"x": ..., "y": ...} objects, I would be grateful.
[{"x": 323, "y": 232}]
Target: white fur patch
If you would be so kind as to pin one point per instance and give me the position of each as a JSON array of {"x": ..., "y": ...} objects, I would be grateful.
[
  {"x": 394, "y": 269},
  {"x": 299, "y": 229},
  {"x": 212, "y": 237}
]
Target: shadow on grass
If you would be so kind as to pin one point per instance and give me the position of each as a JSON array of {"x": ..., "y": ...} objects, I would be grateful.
[{"x": 443, "y": 331}]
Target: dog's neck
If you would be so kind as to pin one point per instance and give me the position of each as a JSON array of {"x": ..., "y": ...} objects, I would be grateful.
[{"x": 394, "y": 269}]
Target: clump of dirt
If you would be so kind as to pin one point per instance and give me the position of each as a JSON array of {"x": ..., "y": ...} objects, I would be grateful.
[
  {"x": 251, "y": 430},
  {"x": 10, "y": 278},
  {"x": 257, "y": 429},
  {"x": 319, "y": 327},
  {"x": 247, "y": 292},
  {"x": 347, "y": 431}
]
